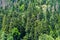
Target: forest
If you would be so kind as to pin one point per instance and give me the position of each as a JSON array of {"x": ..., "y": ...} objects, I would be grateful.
[{"x": 29, "y": 19}]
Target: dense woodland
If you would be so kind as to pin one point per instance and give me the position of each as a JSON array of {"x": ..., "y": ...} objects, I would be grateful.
[{"x": 29, "y": 19}]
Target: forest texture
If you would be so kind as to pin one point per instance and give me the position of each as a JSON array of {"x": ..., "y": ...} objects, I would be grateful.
[{"x": 29, "y": 19}]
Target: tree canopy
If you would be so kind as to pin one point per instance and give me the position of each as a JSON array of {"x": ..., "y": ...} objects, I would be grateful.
[{"x": 29, "y": 20}]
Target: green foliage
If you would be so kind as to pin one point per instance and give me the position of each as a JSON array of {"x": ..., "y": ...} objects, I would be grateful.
[
  {"x": 9, "y": 37},
  {"x": 21, "y": 7},
  {"x": 30, "y": 20},
  {"x": 2, "y": 36},
  {"x": 45, "y": 37},
  {"x": 58, "y": 38},
  {"x": 15, "y": 30}
]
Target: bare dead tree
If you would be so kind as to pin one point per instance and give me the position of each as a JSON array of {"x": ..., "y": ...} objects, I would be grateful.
[{"x": 3, "y": 4}]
